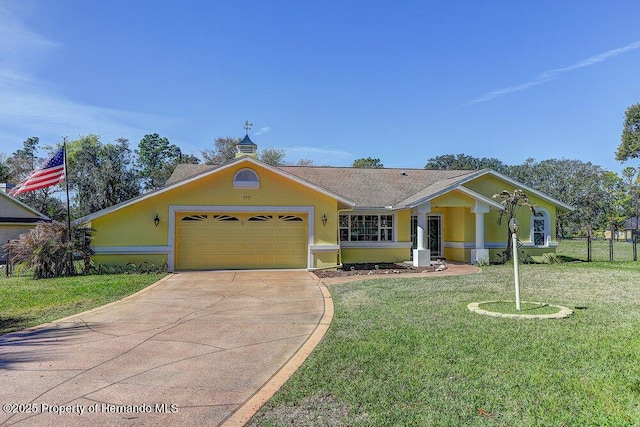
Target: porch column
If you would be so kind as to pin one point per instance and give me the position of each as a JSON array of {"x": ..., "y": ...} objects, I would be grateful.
[
  {"x": 422, "y": 255},
  {"x": 480, "y": 254}
]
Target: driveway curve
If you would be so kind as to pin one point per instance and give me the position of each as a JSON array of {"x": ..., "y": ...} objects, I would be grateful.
[{"x": 192, "y": 349}]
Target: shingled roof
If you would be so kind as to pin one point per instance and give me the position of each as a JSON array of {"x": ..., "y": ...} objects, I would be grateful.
[
  {"x": 384, "y": 188},
  {"x": 371, "y": 188},
  {"x": 631, "y": 224},
  {"x": 375, "y": 188},
  {"x": 186, "y": 171}
]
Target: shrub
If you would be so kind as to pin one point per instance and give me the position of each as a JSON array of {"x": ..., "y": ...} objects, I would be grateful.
[
  {"x": 131, "y": 268},
  {"x": 47, "y": 249}
]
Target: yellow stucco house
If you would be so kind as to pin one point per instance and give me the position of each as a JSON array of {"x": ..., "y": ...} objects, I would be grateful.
[{"x": 249, "y": 215}]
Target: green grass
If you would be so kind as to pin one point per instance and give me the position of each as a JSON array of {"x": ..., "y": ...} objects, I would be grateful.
[
  {"x": 25, "y": 302},
  {"x": 409, "y": 352}
]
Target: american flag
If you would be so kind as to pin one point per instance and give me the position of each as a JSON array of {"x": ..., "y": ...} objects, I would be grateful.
[{"x": 50, "y": 174}]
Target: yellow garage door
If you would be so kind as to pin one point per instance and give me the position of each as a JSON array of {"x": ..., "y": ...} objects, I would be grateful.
[{"x": 206, "y": 240}]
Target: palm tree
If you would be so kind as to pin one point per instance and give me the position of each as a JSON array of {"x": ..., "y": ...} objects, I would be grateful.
[{"x": 511, "y": 203}]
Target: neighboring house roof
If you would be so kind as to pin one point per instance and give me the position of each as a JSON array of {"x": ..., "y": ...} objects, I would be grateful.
[
  {"x": 13, "y": 211},
  {"x": 631, "y": 224}
]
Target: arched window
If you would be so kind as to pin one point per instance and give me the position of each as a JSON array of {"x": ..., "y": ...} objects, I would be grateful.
[
  {"x": 540, "y": 227},
  {"x": 246, "y": 178}
]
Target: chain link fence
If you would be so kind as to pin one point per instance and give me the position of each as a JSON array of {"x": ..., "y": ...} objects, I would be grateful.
[{"x": 598, "y": 248}]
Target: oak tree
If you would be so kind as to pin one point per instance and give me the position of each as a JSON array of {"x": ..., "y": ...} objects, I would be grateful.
[
  {"x": 629, "y": 147},
  {"x": 369, "y": 162},
  {"x": 157, "y": 159}
]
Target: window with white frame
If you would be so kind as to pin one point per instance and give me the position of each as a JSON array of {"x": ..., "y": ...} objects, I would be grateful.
[
  {"x": 246, "y": 178},
  {"x": 540, "y": 227},
  {"x": 366, "y": 228}
]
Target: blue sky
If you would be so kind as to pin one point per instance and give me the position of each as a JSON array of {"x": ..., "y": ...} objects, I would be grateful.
[{"x": 329, "y": 81}]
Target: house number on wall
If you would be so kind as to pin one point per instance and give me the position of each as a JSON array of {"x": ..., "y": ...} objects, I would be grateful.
[{"x": 246, "y": 197}]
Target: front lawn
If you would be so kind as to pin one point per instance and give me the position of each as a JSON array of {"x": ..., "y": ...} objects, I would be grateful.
[
  {"x": 408, "y": 352},
  {"x": 25, "y": 302}
]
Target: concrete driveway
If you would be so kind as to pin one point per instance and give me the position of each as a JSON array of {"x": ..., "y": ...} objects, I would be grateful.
[{"x": 192, "y": 349}]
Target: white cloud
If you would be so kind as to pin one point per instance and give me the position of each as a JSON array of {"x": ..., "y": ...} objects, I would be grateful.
[
  {"x": 552, "y": 74},
  {"x": 31, "y": 106},
  {"x": 325, "y": 155},
  {"x": 592, "y": 60},
  {"x": 507, "y": 90},
  {"x": 35, "y": 107},
  {"x": 263, "y": 130},
  {"x": 20, "y": 47},
  {"x": 319, "y": 150}
]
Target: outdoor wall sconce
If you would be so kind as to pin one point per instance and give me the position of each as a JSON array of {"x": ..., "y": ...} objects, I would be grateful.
[
  {"x": 324, "y": 220},
  {"x": 156, "y": 220}
]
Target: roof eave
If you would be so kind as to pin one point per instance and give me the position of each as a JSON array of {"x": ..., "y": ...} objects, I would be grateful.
[
  {"x": 304, "y": 182},
  {"x": 479, "y": 197},
  {"x": 526, "y": 188},
  {"x": 456, "y": 183},
  {"x": 40, "y": 215},
  {"x": 558, "y": 203},
  {"x": 458, "y": 187}
]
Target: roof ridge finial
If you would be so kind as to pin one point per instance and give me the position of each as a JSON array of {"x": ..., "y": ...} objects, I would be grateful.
[{"x": 247, "y": 127}]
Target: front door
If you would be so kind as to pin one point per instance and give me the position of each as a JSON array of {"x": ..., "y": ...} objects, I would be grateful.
[
  {"x": 434, "y": 236},
  {"x": 434, "y": 240}
]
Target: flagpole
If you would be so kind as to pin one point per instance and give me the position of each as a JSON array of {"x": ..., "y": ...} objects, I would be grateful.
[{"x": 66, "y": 180}]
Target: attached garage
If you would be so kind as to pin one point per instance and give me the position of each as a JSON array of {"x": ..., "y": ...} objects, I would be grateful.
[
  {"x": 240, "y": 240},
  {"x": 240, "y": 215}
]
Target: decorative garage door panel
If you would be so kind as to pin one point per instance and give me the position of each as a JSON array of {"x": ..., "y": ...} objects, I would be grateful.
[{"x": 240, "y": 240}]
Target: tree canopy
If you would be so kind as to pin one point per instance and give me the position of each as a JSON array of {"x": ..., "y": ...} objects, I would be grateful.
[
  {"x": 157, "y": 159},
  {"x": 629, "y": 147},
  {"x": 5, "y": 175},
  {"x": 20, "y": 165},
  {"x": 577, "y": 183},
  {"x": 101, "y": 175},
  {"x": 583, "y": 185},
  {"x": 224, "y": 150},
  {"x": 304, "y": 162},
  {"x": 369, "y": 162},
  {"x": 463, "y": 162},
  {"x": 272, "y": 156}
]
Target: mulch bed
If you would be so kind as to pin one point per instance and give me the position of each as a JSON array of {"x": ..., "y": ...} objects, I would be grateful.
[{"x": 370, "y": 269}]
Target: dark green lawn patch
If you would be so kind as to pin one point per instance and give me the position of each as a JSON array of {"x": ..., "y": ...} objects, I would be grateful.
[
  {"x": 25, "y": 302},
  {"x": 408, "y": 352},
  {"x": 566, "y": 258}
]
